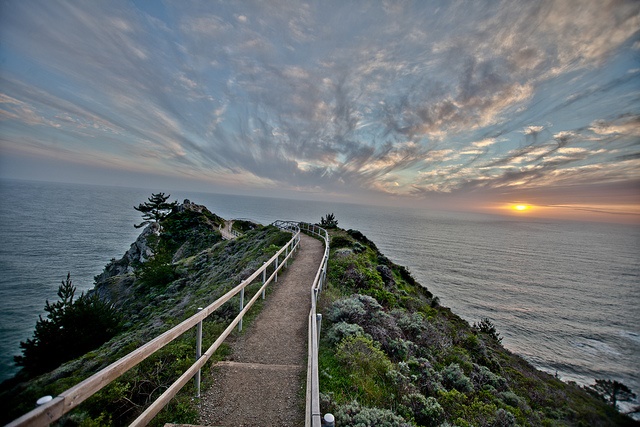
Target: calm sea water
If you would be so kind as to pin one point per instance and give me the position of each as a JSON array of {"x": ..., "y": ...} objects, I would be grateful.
[{"x": 563, "y": 295}]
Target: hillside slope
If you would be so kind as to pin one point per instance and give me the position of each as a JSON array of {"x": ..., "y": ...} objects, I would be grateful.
[
  {"x": 392, "y": 356},
  {"x": 172, "y": 269}
]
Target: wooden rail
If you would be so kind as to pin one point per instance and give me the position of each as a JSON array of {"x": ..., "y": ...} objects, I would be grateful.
[
  {"x": 313, "y": 416},
  {"x": 69, "y": 399}
]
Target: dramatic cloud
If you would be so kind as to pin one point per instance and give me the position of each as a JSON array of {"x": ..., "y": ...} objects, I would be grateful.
[{"x": 370, "y": 98}]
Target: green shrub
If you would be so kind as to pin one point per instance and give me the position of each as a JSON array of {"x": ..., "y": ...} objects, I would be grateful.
[
  {"x": 412, "y": 324},
  {"x": 157, "y": 271},
  {"x": 342, "y": 330},
  {"x": 399, "y": 349},
  {"x": 349, "y": 310},
  {"x": 385, "y": 298},
  {"x": 362, "y": 239},
  {"x": 427, "y": 378},
  {"x": 341, "y": 242},
  {"x": 244, "y": 226},
  {"x": 363, "y": 356},
  {"x": 425, "y": 410},
  {"x": 454, "y": 378},
  {"x": 454, "y": 404},
  {"x": 354, "y": 415},
  {"x": 510, "y": 398},
  {"x": 504, "y": 419},
  {"x": 358, "y": 248},
  {"x": 486, "y": 326},
  {"x": 482, "y": 376},
  {"x": 387, "y": 275}
]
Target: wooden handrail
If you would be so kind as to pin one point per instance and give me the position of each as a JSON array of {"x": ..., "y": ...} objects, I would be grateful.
[
  {"x": 69, "y": 399},
  {"x": 313, "y": 418}
]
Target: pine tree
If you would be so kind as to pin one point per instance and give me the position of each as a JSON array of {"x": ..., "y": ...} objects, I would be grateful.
[
  {"x": 329, "y": 221},
  {"x": 155, "y": 209},
  {"x": 71, "y": 328}
]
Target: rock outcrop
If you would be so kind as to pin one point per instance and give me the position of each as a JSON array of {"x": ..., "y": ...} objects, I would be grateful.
[
  {"x": 114, "y": 282},
  {"x": 139, "y": 252}
]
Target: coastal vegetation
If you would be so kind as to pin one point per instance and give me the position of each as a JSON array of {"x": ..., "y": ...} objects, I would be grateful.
[
  {"x": 612, "y": 392},
  {"x": 329, "y": 221},
  {"x": 391, "y": 355},
  {"x": 179, "y": 263},
  {"x": 70, "y": 329},
  {"x": 155, "y": 209}
]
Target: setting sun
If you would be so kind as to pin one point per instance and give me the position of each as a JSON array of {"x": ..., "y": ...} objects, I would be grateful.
[{"x": 521, "y": 207}]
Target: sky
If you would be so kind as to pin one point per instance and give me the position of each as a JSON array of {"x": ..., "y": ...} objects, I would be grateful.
[{"x": 468, "y": 105}]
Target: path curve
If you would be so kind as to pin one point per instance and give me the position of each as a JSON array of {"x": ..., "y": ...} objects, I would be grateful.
[
  {"x": 264, "y": 382},
  {"x": 226, "y": 231}
]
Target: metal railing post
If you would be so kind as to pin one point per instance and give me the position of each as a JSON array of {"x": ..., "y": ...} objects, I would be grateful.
[
  {"x": 286, "y": 254},
  {"x": 241, "y": 307},
  {"x": 198, "y": 353},
  {"x": 319, "y": 325},
  {"x": 264, "y": 278}
]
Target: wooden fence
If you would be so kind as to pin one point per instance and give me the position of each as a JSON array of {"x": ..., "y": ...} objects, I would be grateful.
[
  {"x": 313, "y": 416},
  {"x": 69, "y": 399}
]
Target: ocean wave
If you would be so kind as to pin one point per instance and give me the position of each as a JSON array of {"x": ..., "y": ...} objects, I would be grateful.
[{"x": 593, "y": 346}]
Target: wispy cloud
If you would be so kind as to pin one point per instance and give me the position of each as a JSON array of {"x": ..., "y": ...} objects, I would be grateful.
[{"x": 416, "y": 98}]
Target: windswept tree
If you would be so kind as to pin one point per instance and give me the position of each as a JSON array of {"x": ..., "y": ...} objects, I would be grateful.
[
  {"x": 329, "y": 221},
  {"x": 155, "y": 209},
  {"x": 612, "y": 392}
]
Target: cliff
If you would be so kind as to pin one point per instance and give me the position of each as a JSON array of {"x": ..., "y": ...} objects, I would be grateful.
[
  {"x": 172, "y": 268},
  {"x": 392, "y": 356}
]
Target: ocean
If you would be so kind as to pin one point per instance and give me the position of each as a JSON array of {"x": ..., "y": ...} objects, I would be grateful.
[{"x": 564, "y": 295}]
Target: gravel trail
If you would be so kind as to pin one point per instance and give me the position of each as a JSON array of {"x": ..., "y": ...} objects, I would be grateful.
[{"x": 263, "y": 383}]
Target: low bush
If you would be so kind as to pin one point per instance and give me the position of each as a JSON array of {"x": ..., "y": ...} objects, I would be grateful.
[
  {"x": 454, "y": 378},
  {"x": 354, "y": 415},
  {"x": 426, "y": 411},
  {"x": 342, "y": 330},
  {"x": 340, "y": 242}
]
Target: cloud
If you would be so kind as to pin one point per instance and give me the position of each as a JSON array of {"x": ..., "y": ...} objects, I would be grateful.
[
  {"x": 626, "y": 125},
  {"x": 484, "y": 143},
  {"x": 533, "y": 130},
  {"x": 400, "y": 98}
]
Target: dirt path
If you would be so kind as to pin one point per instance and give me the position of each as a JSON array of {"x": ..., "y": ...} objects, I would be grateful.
[
  {"x": 263, "y": 383},
  {"x": 226, "y": 231}
]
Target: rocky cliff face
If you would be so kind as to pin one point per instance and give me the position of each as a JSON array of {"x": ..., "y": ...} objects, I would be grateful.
[
  {"x": 139, "y": 252},
  {"x": 115, "y": 282}
]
